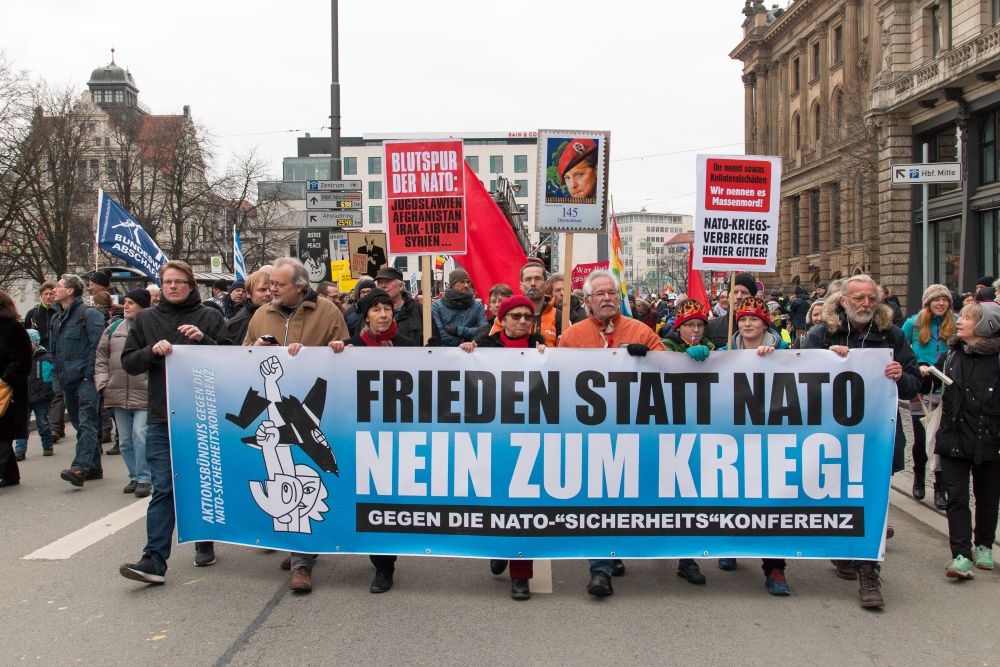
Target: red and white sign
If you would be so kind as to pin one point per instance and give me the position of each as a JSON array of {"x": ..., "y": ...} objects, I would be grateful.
[
  {"x": 425, "y": 192},
  {"x": 581, "y": 271},
  {"x": 737, "y": 206}
]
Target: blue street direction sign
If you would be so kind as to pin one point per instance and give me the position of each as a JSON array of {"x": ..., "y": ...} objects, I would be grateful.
[
  {"x": 928, "y": 172},
  {"x": 333, "y": 186},
  {"x": 340, "y": 219},
  {"x": 340, "y": 201}
]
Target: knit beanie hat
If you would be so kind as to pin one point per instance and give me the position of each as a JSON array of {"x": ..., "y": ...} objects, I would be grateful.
[
  {"x": 513, "y": 302},
  {"x": 690, "y": 310},
  {"x": 988, "y": 325},
  {"x": 35, "y": 337},
  {"x": 140, "y": 295},
  {"x": 239, "y": 284},
  {"x": 748, "y": 281},
  {"x": 373, "y": 298},
  {"x": 753, "y": 306},
  {"x": 935, "y": 291},
  {"x": 458, "y": 275}
]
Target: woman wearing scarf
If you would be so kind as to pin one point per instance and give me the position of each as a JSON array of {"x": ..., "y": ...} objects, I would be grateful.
[
  {"x": 928, "y": 333},
  {"x": 754, "y": 332},
  {"x": 378, "y": 329},
  {"x": 515, "y": 314}
]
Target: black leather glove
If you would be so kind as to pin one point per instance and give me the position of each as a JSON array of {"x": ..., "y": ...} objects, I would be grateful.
[{"x": 637, "y": 349}]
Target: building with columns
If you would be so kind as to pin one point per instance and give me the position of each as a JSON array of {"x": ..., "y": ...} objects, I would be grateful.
[{"x": 844, "y": 89}]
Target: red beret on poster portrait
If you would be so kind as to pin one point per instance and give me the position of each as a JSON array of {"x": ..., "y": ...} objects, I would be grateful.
[{"x": 576, "y": 151}]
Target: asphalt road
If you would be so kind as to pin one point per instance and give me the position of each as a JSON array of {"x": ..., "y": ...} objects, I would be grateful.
[{"x": 452, "y": 611}]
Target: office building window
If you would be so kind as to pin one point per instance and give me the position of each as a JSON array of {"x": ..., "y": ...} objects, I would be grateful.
[
  {"x": 793, "y": 202},
  {"x": 493, "y": 185},
  {"x": 814, "y": 218},
  {"x": 522, "y": 189},
  {"x": 374, "y": 189},
  {"x": 350, "y": 166},
  {"x": 374, "y": 165},
  {"x": 988, "y": 148},
  {"x": 796, "y": 131},
  {"x": 944, "y": 148},
  {"x": 796, "y": 74},
  {"x": 520, "y": 164},
  {"x": 496, "y": 164},
  {"x": 815, "y": 60},
  {"x": 835, "y": 229},
  {"x": 95, "y": 170},
  {"x": 947, "y": 239},
  {"x": 473, "y": 161},
  {"x": 990, "y": 221},
  {"x": 375, "y": 215}
]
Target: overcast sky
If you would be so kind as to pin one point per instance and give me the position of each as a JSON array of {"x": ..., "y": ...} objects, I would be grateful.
[{"x": 256, "y": 73}]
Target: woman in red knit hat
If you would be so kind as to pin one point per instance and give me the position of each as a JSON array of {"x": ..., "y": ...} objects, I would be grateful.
[{"x": 515, "y": 315}]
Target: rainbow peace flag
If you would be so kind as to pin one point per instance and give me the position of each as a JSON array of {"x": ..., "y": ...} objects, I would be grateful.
[{"x": 618, "y": 263}]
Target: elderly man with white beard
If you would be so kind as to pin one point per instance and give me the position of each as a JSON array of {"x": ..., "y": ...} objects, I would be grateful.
[{"x": 858, "y": 319}]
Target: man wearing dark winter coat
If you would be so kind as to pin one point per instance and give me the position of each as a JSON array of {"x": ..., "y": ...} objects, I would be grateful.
[
  {"x": 178, "y": 319},
  {"x": 798, "y": 311},
  {"x": 73, "y": 339},
  {"x": 458, "y": 315},
  {"x": 406, "y": 311},
  {"x": 859, "y": 320}
]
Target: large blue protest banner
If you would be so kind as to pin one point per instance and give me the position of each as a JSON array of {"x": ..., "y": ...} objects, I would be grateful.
[
  {"x": 504, "y": 453},
  {"x": 120, "y": 234}
]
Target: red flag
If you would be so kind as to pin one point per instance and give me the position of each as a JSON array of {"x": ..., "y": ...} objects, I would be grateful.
[
  {"x": 494, "y": 254},
  {"x": 696, "y": 286}
]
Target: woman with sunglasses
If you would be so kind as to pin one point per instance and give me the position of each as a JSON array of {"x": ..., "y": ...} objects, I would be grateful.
[{"x": 515, "y": 315}]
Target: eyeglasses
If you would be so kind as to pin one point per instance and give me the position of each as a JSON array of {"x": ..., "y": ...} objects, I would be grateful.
[
  {"x": 168, "y": 283},
  {"x": 603, "y": 295},
  {"x": 520, "y": 316}
]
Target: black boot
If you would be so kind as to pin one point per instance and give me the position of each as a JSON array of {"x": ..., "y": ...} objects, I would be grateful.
[
  {"x": 940, "y": 495},
  {"x": 919, "y": 491}
]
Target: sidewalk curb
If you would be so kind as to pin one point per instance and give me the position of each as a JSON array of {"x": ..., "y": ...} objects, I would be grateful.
[{"x": 915, "y": 509}]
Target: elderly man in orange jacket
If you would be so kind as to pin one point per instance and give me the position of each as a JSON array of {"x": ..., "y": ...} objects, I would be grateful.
[{"x": 607, "y": 327}]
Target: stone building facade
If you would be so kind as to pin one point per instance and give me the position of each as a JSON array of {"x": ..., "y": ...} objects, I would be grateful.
[{"x": 844, "y": 89}]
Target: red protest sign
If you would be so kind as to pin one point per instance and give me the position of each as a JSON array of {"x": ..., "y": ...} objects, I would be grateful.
[
  {"x": 425, "y": 192},
  {"x": 581, "y": 271}
]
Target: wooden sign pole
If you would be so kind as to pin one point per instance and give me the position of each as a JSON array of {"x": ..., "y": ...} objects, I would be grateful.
[
  {"x": 732, "y": 307},
  {"x": 567, "y": 282},
  {"x": 425, "y": 286}
]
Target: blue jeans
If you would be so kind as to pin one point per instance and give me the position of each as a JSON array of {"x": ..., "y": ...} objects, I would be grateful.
[
  {"x": 132, "y": 442},
  {"x": 160, "y": 515},
  {"x": 41, "y": 410},
  {"x": 603, "y": 565},
  {"x": 83, "y": 404}
]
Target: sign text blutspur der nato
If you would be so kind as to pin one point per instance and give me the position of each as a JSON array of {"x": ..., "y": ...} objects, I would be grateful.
[{"x": 566, "y": 454}]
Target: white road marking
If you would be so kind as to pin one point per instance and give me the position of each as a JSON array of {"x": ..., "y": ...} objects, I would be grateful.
[
  {"x": 541, "y": 581},
  {"x": 91, "y": 534}
]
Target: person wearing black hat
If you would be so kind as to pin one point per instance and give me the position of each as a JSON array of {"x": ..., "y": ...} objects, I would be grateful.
[
  {"x": 744, "y": 287},
  {"x": 983, "y": 282},
  {"x": 126, "y": 395},
  {"x": 458, "y": 315},
  {"x": 219, "y": 289},
  {"x": 379, "y": 330},
  {"x": 406, "y": 311},
  {"x": 352, "y": 316}
]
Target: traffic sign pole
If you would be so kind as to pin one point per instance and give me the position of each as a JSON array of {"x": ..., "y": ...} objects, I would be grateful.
[{"x": 927, "y": 253}]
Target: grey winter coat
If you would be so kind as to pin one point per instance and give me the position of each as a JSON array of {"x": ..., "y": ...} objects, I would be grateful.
[{"x": 120, "y": 390}]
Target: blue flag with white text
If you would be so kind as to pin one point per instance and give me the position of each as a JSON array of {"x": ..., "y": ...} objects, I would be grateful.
[
  {"x": 239, "y": 264},
  {"x": 119, "y": 234}
]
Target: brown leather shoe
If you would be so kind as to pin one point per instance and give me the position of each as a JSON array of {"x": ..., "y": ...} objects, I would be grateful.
[
  {"x": 74, "y": 476},
  {"x": 869, "y": 587},
  {"x": 286, "y": 563},
  {"x": 94, "y": 473},
  {"x": 302, "y": 580}
]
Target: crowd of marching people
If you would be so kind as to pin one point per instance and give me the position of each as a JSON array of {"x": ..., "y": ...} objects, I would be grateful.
[{"x": 98, "y": 355}]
